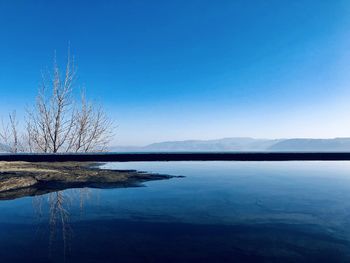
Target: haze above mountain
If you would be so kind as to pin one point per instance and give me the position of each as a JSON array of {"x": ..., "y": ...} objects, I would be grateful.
[{"x": 244, "y": 144}]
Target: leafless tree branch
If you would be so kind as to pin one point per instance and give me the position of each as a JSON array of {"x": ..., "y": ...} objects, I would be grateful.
[{"x": 58, "y": 124}]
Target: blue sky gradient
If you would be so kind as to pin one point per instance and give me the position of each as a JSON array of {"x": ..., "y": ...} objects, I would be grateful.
[{"x": 173, "y": 70}]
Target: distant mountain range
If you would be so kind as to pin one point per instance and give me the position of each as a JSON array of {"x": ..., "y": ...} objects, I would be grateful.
[
  {"x": 243, "y": 144},
  {"x": 238, "y": 144}
]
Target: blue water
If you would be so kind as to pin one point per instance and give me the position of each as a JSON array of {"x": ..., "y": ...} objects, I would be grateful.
[{"x": 219, "y": 212}]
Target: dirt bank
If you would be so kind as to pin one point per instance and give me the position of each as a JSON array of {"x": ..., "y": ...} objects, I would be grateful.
[{"x": 19, "y": 179}]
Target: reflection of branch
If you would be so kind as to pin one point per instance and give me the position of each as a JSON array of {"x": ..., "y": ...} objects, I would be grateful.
[
  {"x": 59, "y": 215},
  {"x": 38, "y": 206},
  {"x": 38, "y": 210},
  {"x": 84, "y": 195},
  {"x": 58, "y": 205}
]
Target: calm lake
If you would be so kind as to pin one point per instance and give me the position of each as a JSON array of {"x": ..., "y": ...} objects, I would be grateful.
[{"x": 219, "y": 212}]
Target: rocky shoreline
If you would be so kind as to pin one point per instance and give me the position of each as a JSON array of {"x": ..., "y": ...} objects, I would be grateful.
[{"x": 19, "y": 179}]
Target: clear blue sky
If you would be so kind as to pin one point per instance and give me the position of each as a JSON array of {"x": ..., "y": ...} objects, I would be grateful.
[{"x": 173, "y": 70}]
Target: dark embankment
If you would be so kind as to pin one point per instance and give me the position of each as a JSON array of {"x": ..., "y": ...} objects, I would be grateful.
[{"x": 180, "y": 156}]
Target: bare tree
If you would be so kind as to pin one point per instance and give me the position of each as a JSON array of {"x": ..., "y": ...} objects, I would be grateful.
[
  {"x": 58, "y": 124},
  {"x": 9, "y": 134},
  {"x": 91, "y": 129}
]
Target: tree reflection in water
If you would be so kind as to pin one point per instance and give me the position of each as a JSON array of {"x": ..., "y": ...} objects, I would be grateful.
[{"x": 53, "y": 213}]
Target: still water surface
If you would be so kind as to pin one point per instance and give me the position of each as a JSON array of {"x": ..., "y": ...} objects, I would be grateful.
[{"x": 219, "y": 212}]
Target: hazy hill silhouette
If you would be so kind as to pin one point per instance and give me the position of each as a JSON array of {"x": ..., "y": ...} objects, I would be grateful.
[{"x": 244, "y": 144}]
